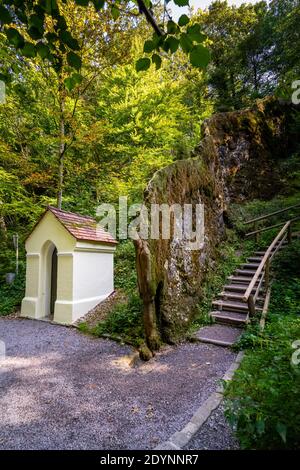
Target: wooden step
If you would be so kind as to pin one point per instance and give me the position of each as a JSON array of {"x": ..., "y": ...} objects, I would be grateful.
[
  {"x": 241, "y": 279},
  {"x": 236, "y": 296},
  {"x": 245, "y": 272},
  {"x": 227, "y": 317},
  {"x": 250, "y": 266},
  {"x": 235, "y": 287},
  {"x": 262, "y": 253},
  {"x": 220, "y": 335},
  {"x": 230, "y": 305},
  {"x": 256, "y": 259},
  {"x": 231, "y": 295}
]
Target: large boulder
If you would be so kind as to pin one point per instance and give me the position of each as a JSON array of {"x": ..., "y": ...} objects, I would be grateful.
[{"x": 235, "y": 161}]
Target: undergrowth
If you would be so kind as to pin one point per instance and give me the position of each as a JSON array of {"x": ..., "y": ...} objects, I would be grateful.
[
  {"x": 12, "y": 294},
  {"x": 124, "y": 322}
]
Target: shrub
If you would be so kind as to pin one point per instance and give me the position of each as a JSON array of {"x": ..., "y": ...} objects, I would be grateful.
[
  {"x": 287, "y": 263},
  {"x": 263, "y": 400},
  {"x": 11, "y": 295}
]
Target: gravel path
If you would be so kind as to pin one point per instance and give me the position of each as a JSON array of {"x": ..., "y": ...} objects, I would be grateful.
[
  {"x": 215, "y": 434},
  {"x": 60, "y": 389}
]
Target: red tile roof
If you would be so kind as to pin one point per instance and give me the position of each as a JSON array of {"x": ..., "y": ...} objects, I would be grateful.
[{"x": 82, "y": 227}]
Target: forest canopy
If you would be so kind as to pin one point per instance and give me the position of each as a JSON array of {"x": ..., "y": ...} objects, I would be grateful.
[{"x": 83, "y": 124}]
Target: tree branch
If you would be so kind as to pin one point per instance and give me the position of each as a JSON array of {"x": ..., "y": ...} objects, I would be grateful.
[{"x": 149, "y": 17}]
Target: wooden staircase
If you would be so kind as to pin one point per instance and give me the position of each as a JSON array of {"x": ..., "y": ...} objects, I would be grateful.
[
  {"x": 230, "y": 313},
  {"x": 245, "y": 294}
]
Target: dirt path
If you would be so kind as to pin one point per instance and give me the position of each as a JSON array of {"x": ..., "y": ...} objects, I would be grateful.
[{"x": 60, "y": 389}]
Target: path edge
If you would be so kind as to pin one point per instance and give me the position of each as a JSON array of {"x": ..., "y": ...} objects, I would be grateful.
[{"x": 180, "y": 439}]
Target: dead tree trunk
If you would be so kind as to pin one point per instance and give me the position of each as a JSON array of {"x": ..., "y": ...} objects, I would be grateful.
[{"x": 147, "y": 293}]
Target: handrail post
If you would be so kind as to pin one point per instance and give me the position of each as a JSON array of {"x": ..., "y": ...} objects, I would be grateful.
[
  {"x": 289, "y": 234},
  {"x": 263, "y": 270},
  {"x": 251, "y": 306},
  {"x": 267, "y": 273},
  {"x": 257, "y": 234}
]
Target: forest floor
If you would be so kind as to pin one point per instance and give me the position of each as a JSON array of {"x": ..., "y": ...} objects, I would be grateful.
[{"x": 62, "y": 389}]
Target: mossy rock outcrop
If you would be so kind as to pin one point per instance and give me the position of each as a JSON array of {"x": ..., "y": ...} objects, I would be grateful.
[
  {"x": 248, "y": 145},
  {"x": 234, "y": 162}
]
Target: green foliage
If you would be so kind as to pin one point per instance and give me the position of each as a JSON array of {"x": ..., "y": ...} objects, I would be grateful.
[
  {"x": 183, "y": 20},
  {"x": 199, "y": 56},
  {"x": 263, "y": 399},
  {"x": 254, "y": 50},
  {"x": 143, "y": 64},
  {"x": 250, "y": 338},
  {"x": 264, "y": 396},
  {"x": 126, "y": 126},
  {"x": 30, "y": 18},
  {"x": 286, "y": 262},
  {"x": 11, "y": 295},
  {"x": 286, "y": 294},
  {"x": 140, "y": 123},
  {"x": 125, "y": 273}
]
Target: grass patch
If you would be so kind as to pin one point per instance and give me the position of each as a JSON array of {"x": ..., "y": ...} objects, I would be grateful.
[{"x": 263, "y": 399}]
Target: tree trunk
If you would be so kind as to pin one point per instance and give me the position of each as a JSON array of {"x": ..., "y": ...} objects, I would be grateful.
[
  {"x": 255, "y": 76},
  {"x": 61, "y": 152},
  {"x": 3, "y": 228},
  {"x": 147, "y": 293}
]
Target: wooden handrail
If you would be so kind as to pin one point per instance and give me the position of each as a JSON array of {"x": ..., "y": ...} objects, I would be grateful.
[
  {"x": 266, "y": 216},
  {"x": 264, "y": 229},
  {"x": 265, "y": 261}
]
